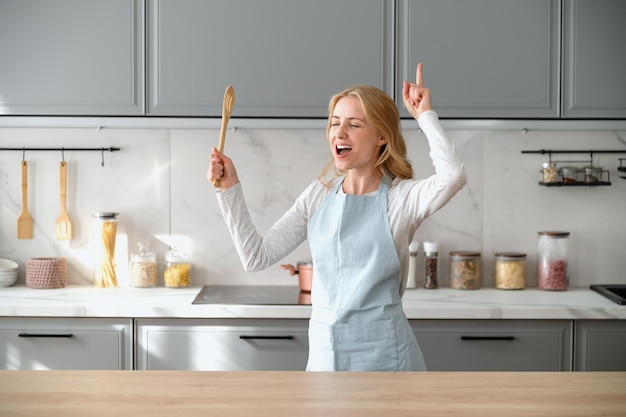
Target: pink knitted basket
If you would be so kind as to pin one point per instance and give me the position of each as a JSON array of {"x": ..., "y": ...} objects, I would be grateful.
[{"x": 46, "y": 272}]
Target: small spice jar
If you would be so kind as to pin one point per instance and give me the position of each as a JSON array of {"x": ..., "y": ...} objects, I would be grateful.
[
  {"x": 550, "y": 173},
  {"x": 552, "y": 261},
  {"x": 593, "y": 174},
  {"x": 510, "y": 271},
  {"x": 143, "y": 267},
  {"x": 465, "y": 270},
  {"x": 177, "y": 272},
  {"x": 431, "y": 264},
  {"x": 104, "y": 226},
  {"x": 569, "y": 174}
]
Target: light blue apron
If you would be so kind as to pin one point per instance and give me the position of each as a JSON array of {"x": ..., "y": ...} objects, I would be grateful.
[{"x": 357, "y": 322}]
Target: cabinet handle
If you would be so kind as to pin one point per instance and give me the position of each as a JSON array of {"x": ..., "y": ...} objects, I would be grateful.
[
  {"x": 65, "y": 335},
  {"x": 248, "y": 337},
  {"x": 487, "y": 337}
]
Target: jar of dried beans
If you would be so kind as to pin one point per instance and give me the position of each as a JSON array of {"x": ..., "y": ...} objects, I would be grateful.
[
  {"x": 143, "y": 267},
  {"x": 465, "y": 270},
  {"x": 510, "y": 271},
  {"x": 552, "y": 261}
]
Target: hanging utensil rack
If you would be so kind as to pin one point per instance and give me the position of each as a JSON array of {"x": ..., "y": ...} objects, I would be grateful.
[
  {"x": 62, "y": 150},
  {"x": 605, "y": 180}
]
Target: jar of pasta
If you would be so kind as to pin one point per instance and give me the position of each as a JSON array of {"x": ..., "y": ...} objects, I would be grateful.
[
  {"x": 465, "y": 270},
  {"x": 104, "y": 225},
  {"x": 510, "y": 271},
  {"x": 143, "y": 267},
  {"x": 177, "y": 272},
  {"x": 552, "y": 261}
]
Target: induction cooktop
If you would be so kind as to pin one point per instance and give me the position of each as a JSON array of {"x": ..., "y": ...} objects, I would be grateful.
[{"x": 252, "y": 295}]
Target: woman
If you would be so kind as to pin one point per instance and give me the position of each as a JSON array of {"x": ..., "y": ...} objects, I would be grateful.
[{"x": 358, "y": 224}]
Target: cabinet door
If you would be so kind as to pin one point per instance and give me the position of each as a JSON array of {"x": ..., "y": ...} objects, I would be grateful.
[
  {"x": 285, "y": 58},
  {"x": 495, "y": 345},
  {"x": 483, "y": 58},
  {"x": 594, "y": 58},
  {"x": 71, "y": 57},
  {"x": 222, "y": 345},
  {"x": 46, "y": 343},
  {"x": 600, "y": 345}
]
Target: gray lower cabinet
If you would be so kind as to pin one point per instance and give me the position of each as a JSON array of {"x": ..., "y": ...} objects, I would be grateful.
[
  {"x": 71, "y": 57},
  {"x": 483, "y": 58},
  {"x": 495, "y": 345},
  {"x": 594, "y": 59},
  {"x": 285, "y": 58},
  {"x": 66, "y": 343},
  {"x": 221, "y": 345},
  {"x": 600, "y": 345}
]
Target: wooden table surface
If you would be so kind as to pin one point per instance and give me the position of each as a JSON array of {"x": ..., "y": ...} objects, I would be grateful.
[{"x": 251, "y": 394}]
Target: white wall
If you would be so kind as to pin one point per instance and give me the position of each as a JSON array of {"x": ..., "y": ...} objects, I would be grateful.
[{"x": 157, "y": 183}]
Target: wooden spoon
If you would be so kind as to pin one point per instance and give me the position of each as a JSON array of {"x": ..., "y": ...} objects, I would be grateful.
[
  {"x": 64, "y": 224},
  {"x": 24, "y": 220},
  {"x": 227, "y": 110}
]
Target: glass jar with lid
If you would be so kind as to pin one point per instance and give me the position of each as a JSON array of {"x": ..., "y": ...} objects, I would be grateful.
[
  {"x": 510, "y": 270},
  {"x": 465, "y": 270},
  {"x": 143, "y": 267},
  {"x": 552, "y": 260},
  {"x": 432, "y": 257},
  {"x": 177, "y": 272},
  {"x": 569, "y": 174},
  {"x": 104, "y": 225},
  {"x": 593, "y": 174},
  {"x": 550, "y": 173}
]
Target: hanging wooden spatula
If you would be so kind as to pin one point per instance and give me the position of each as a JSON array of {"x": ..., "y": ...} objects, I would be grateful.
[
  {"x": 64, "y": 224},
  {"x": 24, "y": 220},
  {"x": 227, "y": 110}
]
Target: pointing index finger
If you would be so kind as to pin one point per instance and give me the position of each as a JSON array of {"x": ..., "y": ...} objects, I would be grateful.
[{"x": 418, "y": 75}]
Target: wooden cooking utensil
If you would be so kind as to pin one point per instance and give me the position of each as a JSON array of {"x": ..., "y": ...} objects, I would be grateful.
[
  {"x": 227, "y": 110},
  {"x": 64, "y": 224},
  {"x": 24, "y": 220}
]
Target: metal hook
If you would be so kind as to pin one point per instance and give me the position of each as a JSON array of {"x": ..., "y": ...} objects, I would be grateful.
[
  {"x": 102, "y": 163},
  {"x": 62, "y": 154},
  {"x": 23, "y": 154}
]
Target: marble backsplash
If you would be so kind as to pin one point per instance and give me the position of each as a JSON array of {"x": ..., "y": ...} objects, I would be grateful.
[{"x": 157, "y": 182}]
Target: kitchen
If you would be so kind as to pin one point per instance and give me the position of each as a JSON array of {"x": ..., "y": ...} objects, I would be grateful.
[{"x": 159, "y": 187}]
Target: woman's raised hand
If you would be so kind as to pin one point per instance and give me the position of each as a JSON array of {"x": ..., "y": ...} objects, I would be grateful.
[
  {"x": 416, "y": 97},
  {"x": 221, "y": 168}
]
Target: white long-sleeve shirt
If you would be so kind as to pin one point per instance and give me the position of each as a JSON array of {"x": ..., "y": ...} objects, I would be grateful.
[{"x": 409, "y": 202}]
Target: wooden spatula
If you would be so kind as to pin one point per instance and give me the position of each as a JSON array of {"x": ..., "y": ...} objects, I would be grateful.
[
  {"x": 227, "y": 110},
  {"x": 64, "y": 224},
  {"x": 24, "y": 220}
]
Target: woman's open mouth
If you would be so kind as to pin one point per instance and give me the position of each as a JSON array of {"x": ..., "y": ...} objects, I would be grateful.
[{"x": 342, "y": 150}]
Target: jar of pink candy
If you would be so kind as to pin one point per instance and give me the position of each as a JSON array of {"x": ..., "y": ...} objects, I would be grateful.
[{"x": 552, "y": 261}]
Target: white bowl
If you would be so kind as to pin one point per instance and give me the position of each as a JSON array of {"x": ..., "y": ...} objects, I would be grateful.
[{"x": 8, "y": 272}]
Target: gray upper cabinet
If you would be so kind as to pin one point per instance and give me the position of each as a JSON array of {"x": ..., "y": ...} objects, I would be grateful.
[
  {"x": 285, "y": 58},
  {"x": 71, "y": 57},
  {"x": 483, "y": 58},
  {"x": 594, "y": 55}
]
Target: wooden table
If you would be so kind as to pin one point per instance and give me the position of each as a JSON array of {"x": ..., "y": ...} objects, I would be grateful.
[{"x": 251, "y": 394}]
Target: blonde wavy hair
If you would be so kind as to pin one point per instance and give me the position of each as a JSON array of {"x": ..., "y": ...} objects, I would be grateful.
[{"x": 381, "y": 112}]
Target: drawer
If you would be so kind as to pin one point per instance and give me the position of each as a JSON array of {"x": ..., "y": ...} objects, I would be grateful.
[
  {"x": 50, "y": 343},
  {"x": 222, "y": 345},
  {"x": 495, "y": 345}
]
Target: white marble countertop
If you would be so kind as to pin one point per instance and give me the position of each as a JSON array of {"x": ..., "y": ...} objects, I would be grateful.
[{"x": 443, "y": 303}]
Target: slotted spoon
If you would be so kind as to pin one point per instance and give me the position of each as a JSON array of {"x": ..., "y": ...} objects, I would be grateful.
[
  {"x": 64, "y": 224},
  {"x": 24, "y": 220},
  {"x": 227, "y": 110}
]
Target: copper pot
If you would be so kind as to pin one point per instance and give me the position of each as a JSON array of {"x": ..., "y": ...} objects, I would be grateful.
[{"x": 304, "y": 270}]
